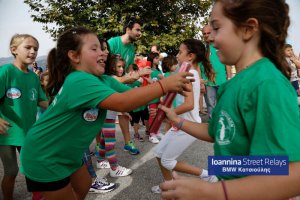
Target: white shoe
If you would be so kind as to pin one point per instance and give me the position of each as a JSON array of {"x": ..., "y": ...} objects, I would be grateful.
[
  {"x": 153, "y": 139},
  {"x": 120, "y": 171},
  {"x": 156, "y": 189},
  {"x": 103, "y": 164},
  {"x": 210, "y": 179}
]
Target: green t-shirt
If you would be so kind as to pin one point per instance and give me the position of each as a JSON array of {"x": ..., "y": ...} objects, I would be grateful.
[
  {"x": 257, "y": 114},
  {"x": 218, "y": 67},
  {"x": 167, "y": 74},
  {"x": 154, "y": 76},
  {"x": 20, "y": 94},
  {"x": 54, "y": 146},
  {"x": 116, "y": 46}
]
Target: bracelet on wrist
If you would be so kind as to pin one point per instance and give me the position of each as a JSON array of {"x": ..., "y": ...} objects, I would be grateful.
[
  {"x": 162, "y": 88},
  {"x": 180, "y": 124}
]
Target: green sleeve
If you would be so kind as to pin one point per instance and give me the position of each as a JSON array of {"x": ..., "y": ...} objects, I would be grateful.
[
  {"x": 271, "y": 116},
  {"x": 92, "y": 91},
  {"x": 116, "y": 85},
  {"x": 135, "y": 84},
  {"x": 2, "y": 81}
]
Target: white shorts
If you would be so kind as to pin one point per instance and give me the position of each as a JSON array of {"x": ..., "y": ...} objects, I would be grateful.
[{"x": 173, "y": 144}]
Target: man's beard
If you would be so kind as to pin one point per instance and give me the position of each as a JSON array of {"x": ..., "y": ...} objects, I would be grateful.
[{"x": 132, "y": 39}]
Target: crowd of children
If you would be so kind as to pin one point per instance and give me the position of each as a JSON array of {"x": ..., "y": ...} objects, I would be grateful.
[{"x": 87, "y": 87}]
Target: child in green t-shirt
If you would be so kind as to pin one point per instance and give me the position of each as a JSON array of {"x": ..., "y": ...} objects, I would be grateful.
[
  {"x": 80, "y": 95},
  {"x": 257, "y": 112},
  {"x": 20, "y": 94}
]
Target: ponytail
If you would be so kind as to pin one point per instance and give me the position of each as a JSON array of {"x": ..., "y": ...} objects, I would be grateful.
[{"x": 59, "y": 65}]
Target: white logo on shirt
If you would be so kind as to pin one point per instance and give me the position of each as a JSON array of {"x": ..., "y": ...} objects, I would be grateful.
[
  {"x": 91, "y": 115},
  {"x": 32, "y": 94},
  {"x": 226, "y": 129},
  {"x": 13, "y": 93}
]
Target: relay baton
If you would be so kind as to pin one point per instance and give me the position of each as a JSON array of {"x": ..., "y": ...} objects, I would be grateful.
[{"x": 161, "y": 115}]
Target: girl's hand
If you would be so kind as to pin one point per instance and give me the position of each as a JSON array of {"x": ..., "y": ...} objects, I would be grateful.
[
  {"x": 144, "y": 71},
  {"x": 141, "y": 80},
  {"x": 152, "y": 112},
  {"x": 185, "y": 188},
  {"x": 202, "y": 88},
  {"x": 148, "y": 79},
  {"x": 177, "y": 82},
  {"x": 170, "y": 113},
  {"x": 128, "y": 115},
  {"x": 294, "y": 59},
  {"x": 134, "y": 75},
  {"x": 4, "y": 126},
  {"x": 160, "y": 76}
]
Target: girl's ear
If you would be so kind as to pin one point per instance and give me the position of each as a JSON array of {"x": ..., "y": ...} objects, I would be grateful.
[
  {"x": 13, "y": 50},
  {"x": 74, "y": 56},
  {"x": 251, "y": 27},
  {"x": 191, "y": 57}
]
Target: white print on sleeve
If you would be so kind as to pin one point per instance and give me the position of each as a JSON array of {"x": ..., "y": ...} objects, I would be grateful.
[{"x": 225, "y": 128}]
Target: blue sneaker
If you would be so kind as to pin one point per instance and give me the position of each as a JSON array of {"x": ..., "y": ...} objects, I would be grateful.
[
  {"x": 131, "y": 148},
  {"x": 101, "y": 185}
]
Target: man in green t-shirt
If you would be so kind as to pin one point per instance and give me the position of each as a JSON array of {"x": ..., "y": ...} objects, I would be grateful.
[
  {"x": 222, "y": 73},
  {"x": 124, "y": 46}
]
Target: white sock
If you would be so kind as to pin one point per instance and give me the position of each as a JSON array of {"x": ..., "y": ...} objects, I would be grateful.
[{"x": 204, "y": 173}]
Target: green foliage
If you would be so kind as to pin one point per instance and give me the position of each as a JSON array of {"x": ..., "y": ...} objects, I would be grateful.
[{"x": 166, "y": 22}]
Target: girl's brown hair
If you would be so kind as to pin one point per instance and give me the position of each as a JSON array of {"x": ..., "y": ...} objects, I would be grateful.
[
  {"x": 151, "y": 57},
  {"x": 167, "y": 63},
  {"x": 58, "y": 62},
  {"x": 114, "y": 59},
  {"x": 273, "y": 19},
  {"x": 198, "y": 48}
]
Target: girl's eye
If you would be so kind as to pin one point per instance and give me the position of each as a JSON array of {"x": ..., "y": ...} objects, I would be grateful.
[{"x": 215, "y": 28}]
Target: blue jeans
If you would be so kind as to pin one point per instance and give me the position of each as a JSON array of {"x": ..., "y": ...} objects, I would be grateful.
[{"x": 210, "y": 98}]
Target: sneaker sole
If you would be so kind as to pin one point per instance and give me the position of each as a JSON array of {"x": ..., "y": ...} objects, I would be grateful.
[
  {"x": 103, "y": 167},
  {"x": 131, "y": 152},
  {"x": 116, "y": 176},
  {"x": 100, "y": 191}
]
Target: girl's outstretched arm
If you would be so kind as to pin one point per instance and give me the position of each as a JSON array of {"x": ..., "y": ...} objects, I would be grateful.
[
  {"x": 134, "y": 98},
  {"x": 198, "y": 130}
]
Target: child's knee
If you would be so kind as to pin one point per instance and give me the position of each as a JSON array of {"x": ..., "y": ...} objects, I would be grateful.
[{"x": 168, "y": 164}]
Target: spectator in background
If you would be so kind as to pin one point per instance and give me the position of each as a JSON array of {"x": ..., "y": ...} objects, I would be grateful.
[
  {"x": 294, "y": 64},
  {"x": 124, "y": 46},
  {"x": 155, "y": 48},
  {"x": 36, "y": 69},
  {"x": 222, "y": 72}
]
